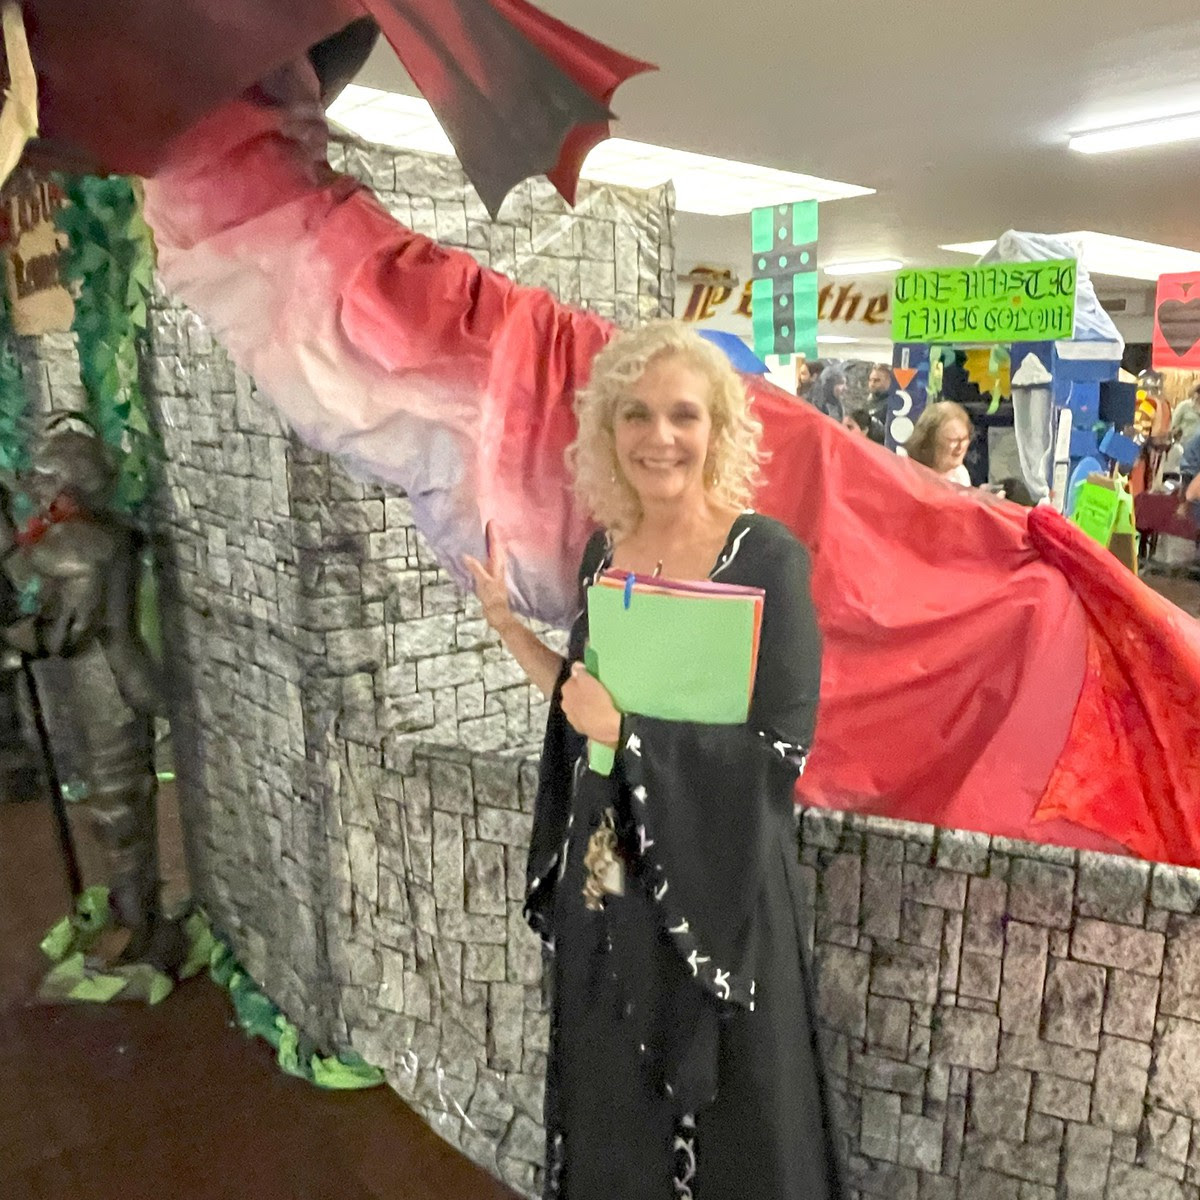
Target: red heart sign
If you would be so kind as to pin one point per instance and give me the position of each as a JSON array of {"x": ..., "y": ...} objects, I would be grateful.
[{"x": 1177, "y": 323}]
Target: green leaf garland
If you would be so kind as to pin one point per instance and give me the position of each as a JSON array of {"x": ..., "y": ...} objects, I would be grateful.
[
  {"x": 14, "y": 401},
  {"x": 110, "y": 259}
]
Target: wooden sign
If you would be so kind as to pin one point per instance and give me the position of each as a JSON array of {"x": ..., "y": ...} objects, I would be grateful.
[
  {"x": 32, "y": 256},
  {"x": 1177, "y": 323}
]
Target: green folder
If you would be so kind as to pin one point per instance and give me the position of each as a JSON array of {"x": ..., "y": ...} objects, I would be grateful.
[{"x": 677, "y": 655}]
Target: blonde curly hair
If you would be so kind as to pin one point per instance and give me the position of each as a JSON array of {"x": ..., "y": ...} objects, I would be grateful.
[{"x": 732, "y": 471}]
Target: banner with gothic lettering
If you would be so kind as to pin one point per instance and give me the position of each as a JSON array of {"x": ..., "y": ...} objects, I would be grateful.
[{"x": 713, "y": 295}]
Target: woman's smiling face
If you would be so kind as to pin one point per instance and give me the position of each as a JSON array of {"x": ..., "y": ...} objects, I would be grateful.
[{"x": 663, "y": 430}]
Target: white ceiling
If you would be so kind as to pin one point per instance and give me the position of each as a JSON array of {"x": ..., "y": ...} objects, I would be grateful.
[{"x": 958, "y": 116}]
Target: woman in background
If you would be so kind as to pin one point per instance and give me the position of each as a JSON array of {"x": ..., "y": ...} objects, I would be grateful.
[
  {"x": 807, "y": 374},
  {"x": 940, "y": 441},
  {"x": 830, "y": 392}
]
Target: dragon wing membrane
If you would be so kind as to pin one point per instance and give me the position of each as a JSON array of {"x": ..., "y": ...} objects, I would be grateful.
[
  {"x": 979, "y": 661},
  {"x": 518, "y": 93}
]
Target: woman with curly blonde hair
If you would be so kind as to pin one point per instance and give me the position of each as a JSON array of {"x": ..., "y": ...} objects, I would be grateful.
[{"x": 682, "y": 1053}]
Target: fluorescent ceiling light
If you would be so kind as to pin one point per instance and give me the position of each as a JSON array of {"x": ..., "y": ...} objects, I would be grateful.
[
  {"x": 703, "y": 184},
  {"x": 875, "y": 266},
  {"x": 405, "y": 122},
  {"x": 1104, "y": 254},
  {"x": 1159, "y": 132}
]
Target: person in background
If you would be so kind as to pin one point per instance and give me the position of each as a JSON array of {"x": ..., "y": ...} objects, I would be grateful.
[
  {"x": 879, "y": 392},
  {"x": 1189, "y": 471},
  {"x": 941, "y": 439},
  {"x": 860, "y": 420},
  {"x": 807, "y": 374},
  {"x": 829, "y": 394},
  {"x": 1185, "y": 420}
]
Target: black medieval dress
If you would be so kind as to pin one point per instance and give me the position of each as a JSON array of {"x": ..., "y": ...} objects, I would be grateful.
[{"x": 683, "y": 1059}]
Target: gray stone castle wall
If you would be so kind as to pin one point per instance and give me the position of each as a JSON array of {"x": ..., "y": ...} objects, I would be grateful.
[
  {"x": 1006, "y": 1021},
  {"x": 372, "y": 890}
]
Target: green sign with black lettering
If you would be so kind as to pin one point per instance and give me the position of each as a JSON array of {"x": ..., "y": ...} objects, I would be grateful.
[{"x": 999, "y": 302}]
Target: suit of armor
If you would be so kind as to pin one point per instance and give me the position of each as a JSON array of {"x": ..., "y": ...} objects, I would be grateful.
[{"x": 76, "y": 565}]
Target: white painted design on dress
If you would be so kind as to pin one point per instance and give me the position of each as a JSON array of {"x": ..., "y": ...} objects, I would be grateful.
[
  {"x": 733, "y": 552},
  {"x": 685, "y": 1151},
  {"x": 721, "y": 983}
]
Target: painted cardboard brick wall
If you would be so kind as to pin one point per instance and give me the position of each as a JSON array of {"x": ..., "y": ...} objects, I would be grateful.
[
  {"x": 1005, "y": 1020},
  {"x": 371, "y": 890}
]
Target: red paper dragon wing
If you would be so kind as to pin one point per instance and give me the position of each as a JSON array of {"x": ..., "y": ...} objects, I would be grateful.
[
  {"x": 120, "y": 80},
  {"x": 517, "y": 92}
]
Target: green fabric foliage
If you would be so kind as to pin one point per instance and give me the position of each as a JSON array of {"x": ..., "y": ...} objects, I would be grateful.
[
  {"x": 110, "y": 260},
  {"x": 259, "y": 1017},
  {"x": 14, "y": 402}
]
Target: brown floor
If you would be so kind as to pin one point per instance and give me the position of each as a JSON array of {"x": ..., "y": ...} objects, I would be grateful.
[
  {"x": 1179, "y": 590},
  {"x": 127, "y": 1103}
]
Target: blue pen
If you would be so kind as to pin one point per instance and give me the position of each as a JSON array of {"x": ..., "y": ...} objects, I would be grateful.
[{"x": 628, "y": 589}]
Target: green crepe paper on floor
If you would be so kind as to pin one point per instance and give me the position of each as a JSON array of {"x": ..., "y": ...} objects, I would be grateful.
[
  {"x": 68, "y": 943},
  {"x": 141, "y": 981},
  {"x": 71, "y": 980},
  {"x": 56, "y": 945},
  {"x": 258, "y": 1016},
  {"x": 79, "y": 931},
  {"x": 74, "y": 980},
  {"x": 347, "y": 1073},
  {"x": 289, "y": 1048},
  {"x": 255, "y": 1013},
  {"x": 97, "y": 989},
  {"x": 201, "y": 944}
]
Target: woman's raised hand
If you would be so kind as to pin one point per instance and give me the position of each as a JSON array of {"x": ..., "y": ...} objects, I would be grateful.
[{"x": 491, "y": 583}]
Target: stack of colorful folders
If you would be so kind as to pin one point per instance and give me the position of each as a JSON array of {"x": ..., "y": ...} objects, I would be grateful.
[{"x": 678, "y": 651}]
